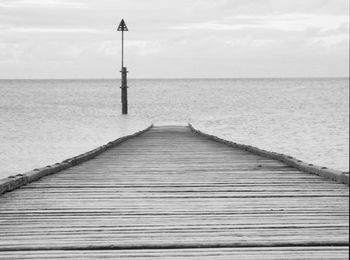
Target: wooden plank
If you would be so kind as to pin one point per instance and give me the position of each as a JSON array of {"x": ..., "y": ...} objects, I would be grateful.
[
  {"x": 170, "y": 188},
  {"x": 287, "y": 253}
]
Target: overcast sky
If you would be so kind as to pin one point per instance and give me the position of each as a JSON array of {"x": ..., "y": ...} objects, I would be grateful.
[{"x": 174, "y": 39}]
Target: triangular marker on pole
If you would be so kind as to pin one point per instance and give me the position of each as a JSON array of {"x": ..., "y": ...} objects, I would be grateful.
[{"x": 122, "y": 26}]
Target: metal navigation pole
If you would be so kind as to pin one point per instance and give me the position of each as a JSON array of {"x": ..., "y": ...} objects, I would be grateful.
[{"x": 122, "y": 27}]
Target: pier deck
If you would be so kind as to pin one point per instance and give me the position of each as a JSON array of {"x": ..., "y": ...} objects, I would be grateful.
[{"x": 172, "y": 194}]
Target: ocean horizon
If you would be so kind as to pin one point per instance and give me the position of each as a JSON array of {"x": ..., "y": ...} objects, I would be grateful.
[{"x": 180, "y": 78}]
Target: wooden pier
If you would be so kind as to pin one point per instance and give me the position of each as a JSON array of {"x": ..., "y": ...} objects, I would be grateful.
[{"x": 170, "y": 193}]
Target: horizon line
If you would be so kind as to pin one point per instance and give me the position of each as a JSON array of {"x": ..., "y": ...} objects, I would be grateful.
[{"x": 185, "y": 78}]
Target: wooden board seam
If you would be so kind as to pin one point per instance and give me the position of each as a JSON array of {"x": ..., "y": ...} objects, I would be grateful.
[{"x": 177, "y": 246}]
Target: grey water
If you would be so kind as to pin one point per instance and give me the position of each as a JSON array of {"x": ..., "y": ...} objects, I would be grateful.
[{"x": 47, "y": 121}]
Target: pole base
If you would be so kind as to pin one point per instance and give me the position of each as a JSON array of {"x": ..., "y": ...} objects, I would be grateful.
[{"x": 124, "y": 88}]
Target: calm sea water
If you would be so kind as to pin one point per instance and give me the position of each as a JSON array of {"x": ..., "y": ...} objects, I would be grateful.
[{"x": 47, "y": 121}]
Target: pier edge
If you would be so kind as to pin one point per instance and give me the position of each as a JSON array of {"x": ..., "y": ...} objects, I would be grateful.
[
  {"x": 335, "y": 175},
  {"x": 16, "y": 181}
]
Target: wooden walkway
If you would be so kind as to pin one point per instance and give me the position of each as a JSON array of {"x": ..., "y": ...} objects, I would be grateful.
[{"x": 172, "y": 194}]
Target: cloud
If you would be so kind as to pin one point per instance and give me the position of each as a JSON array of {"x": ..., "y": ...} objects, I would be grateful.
[
  {"x": 145, "y": 47},
  {"x": 139, "y": 47},
  {"x": 249, "y": 42},
  {"x": 74, "y": 51},
  {"x": 109, "y": 48},
  {"x": 329, "y": 41},
  {"x": 283, "y": 22},
  {"x": 46, "y": 30},
  {"x": 41, "y": 4},
  {"x": 284, "y": 6},
  {"x": 10, "y": 52},
  {"x": 204, "y": 35}
]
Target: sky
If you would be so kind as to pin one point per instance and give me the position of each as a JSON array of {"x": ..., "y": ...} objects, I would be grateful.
[{"x": 174, "y": 39}]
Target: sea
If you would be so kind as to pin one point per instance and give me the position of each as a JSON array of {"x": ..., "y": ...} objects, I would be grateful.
[{"x": 48, "y": 121}]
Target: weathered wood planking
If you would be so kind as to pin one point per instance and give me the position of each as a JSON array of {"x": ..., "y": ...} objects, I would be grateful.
[
  {"x": 335, "y": 175},
  {"x": 287, "y": 253},
  {"x": 168, "y": 192}
]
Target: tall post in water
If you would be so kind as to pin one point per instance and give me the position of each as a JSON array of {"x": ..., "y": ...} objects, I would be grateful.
[{"x": 124, "y": 87}]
